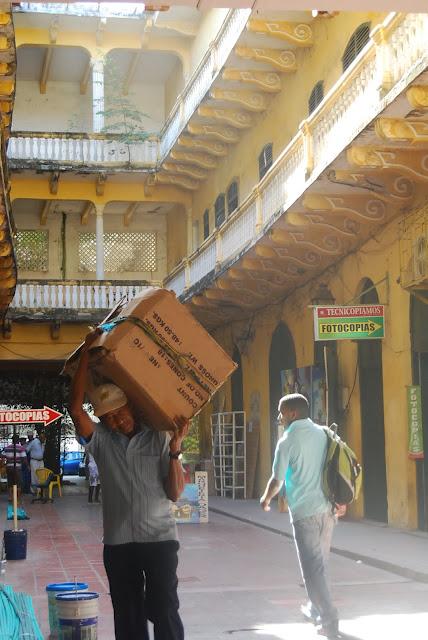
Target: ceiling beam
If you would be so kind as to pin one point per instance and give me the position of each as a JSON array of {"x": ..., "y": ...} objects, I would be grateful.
[
  {"x": 100, "y": 184},
  {"x": 45, "y": 212},
  {"x": 131, "y": 72},
  {"x": 282, "y": 60},
  {"x": 54, "y": 182},
  {"x": 251, "y": 100},
  {"x": 129, "y": 213},
  {"x": 46, "y": 69},
  {"x": 269, "y": 81},
  {"x": 202, "y": 144},
  {"x": 234, "y": 117},
  {"x": 298, "y": 34},
  {"x": 84, "y": 216},
  {"x": 85, "y": 78}
]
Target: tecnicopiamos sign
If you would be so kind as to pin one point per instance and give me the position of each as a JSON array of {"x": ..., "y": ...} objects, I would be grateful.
[{"x": 349, "y": 323}]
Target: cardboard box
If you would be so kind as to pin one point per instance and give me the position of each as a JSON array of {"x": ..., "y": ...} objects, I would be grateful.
[{"x": 160, "y": 356}]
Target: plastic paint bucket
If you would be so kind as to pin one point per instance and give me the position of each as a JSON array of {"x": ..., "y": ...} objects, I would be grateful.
[
  {"x": 15, "y": 544},
  {"x": 78, "y": 615},
  {"x": 53, "y": 590}
]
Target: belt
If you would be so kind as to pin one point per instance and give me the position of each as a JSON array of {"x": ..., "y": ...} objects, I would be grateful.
[{"x": 37, "y": 459}]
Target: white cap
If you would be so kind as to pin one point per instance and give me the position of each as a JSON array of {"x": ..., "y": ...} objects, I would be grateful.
[{"x": 106, "y": 398}]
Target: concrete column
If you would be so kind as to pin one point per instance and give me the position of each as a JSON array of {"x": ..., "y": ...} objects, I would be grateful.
[
  {"x": 99, "y": 209},
  {"x": 97, "y": 94}
]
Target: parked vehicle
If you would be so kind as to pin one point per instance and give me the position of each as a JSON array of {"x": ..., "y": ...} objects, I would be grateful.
[{"x": 71, "y": 461}]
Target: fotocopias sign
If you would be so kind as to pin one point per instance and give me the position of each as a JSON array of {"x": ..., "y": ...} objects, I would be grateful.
[
  {"x": 46, "y": 415},
  {"x": 349, "y": 323}
]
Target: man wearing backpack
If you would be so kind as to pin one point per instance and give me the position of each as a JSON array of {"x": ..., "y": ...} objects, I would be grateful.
[{"x": 299, "y": 458}]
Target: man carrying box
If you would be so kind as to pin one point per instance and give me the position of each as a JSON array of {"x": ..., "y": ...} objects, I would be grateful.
[{"x": 140, "y": 473}]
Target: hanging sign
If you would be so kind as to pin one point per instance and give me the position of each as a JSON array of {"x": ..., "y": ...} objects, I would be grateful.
[
  {"x": 414, "y": 407},
  {"x": 46, "y": 415},
  {"x": 361, "y": 322}
]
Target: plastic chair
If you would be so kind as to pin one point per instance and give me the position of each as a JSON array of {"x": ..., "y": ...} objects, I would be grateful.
[
  {"x": 44, "y": 477},
  {"x": 55, "y": 482}
]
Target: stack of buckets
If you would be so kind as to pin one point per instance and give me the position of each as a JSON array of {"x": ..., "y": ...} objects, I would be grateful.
[{"x": 73, "y": 611}]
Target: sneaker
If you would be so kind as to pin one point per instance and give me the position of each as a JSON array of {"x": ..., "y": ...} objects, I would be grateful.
[
  {"x": 309, "y": 613},
  {"x": 330, "y": 631}
]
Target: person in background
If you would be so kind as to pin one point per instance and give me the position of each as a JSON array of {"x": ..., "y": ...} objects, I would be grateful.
[
  {"x": 26, "y": 473},
  {"x": 299, "y": 458},
  {"x": 94, "y": 480},
  {"x": 140, "y": 472},
  {"x": 14, "y": 469},
  {"x": 36, "y": 450}
]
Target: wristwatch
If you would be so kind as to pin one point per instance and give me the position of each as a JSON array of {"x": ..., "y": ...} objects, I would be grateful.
[{"x": 177, "y": 455}]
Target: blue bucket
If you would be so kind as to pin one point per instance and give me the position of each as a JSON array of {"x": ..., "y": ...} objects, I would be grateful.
[
  {"x": 15, "y": 544},
  {"x": 78, "y": 615},
  {"x": 52, "y": 590}
]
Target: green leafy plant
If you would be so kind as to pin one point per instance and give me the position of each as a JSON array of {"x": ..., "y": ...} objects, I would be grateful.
[{"x": 122, "y": 118}]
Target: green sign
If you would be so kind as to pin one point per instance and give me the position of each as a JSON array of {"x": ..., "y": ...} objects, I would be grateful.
[
  {"x": 416, "y": 438},
  {"x": 349, "y": 323}
]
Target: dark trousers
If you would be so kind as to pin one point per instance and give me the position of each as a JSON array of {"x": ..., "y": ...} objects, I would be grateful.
[{"x": 143, "y": 586}]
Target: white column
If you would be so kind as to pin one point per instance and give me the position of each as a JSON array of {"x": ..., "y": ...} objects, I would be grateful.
[
  {"x": 100, "y": 241},
  {"x": 97, "y": 94},
  {"x": 189, "y": 230}
]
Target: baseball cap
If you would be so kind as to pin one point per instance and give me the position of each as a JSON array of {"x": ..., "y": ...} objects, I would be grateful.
[{"x": 106, "y": 398}]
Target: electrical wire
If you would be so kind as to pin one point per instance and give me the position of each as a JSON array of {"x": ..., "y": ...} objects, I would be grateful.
[{"x": 23, "y": 357}]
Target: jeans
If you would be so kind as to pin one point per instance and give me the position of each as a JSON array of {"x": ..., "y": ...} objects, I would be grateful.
[
  {"x": 312, "y": 537},
  {"x": 143, "y": 586}
]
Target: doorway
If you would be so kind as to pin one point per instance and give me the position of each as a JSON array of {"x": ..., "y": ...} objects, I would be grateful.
[
  {"x": 372, "y": 420},
  {"x": 419, "y": 324},
  {"x": 282, "y": 356}
]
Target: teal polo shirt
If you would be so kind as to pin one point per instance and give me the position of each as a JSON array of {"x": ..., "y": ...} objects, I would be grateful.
[{"x": 299, "y": 458}]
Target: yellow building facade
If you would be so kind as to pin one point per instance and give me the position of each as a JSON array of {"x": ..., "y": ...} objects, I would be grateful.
[{"x": 283, "y": 166}]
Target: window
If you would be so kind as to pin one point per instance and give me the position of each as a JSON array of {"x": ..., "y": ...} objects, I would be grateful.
[
  {"x": 32, "y": 250},
  {"x": 206, "y": 223},
  {"x": 316, "y": 96},
  {"x": 265, "y": 160},
  {"x": 232, "y": 197},
  {"x": 356, "y": 44},
  {"x": 122, "y": 252},
  {"x": 220, "y": 210}
]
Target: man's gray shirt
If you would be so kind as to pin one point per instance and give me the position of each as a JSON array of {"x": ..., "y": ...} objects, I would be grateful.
[{"x": 132, "y": 473}]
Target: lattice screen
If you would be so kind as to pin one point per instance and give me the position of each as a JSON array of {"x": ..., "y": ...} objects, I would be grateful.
[
  {"x": 122, "y": 252},
  {"x": 32, "y": 250}
]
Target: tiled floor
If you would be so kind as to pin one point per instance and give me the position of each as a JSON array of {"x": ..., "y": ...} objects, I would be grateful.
[{"x": 64, "y": 544}]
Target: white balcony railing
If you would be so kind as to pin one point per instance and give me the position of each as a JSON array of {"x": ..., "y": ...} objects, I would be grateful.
[
  {"x": 77, "y": 151},
  {"x": 95, "y": 150},
  {"x": 203, "y": 77},
  {"x": 98, "y": 9},
  {"x": 72, "y": 295},
  {"x": 380, "y": 73}
]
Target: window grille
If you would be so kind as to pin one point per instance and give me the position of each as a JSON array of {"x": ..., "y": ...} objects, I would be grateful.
[
  {"x": 220, "y": 210},
  {"x": 316, "y": 96},
  {"x": 206, "y": 224},
  {"x": 265, "y": 160},
  {"x": 356, "y": 44},
  {"x": 232, "y": 197},
  {"x": 32, "y": 250},
  {"x": 122, "y": 252}
]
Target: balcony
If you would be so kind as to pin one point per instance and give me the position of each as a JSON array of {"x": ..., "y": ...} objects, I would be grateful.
[
  {"x": 394, "y": 58},
  {"x": 56, "y": 151},
  {"x": 70, "y": 300},
  {"x": 91, "y": 151}
]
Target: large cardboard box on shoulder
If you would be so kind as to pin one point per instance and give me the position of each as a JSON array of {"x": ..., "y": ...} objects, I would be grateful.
[{"x": 160, "y": 356}]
